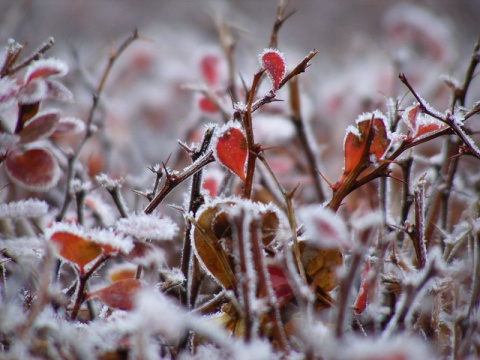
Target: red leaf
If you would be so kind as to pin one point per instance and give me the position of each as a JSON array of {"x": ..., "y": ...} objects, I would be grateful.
[
  {"x": 206, "y": 105},
  {"x": 33, "y": 169},
  {"x": 231, "y": 150},
  {"x": 381, "y": 140},
  {"x": 354, "y": 147},
  {"x": 120, "y": 294},
  {"x": 274, "y": 64},
  {"x": 41, "y": 126},
  {"x": 282, "y": 289},
  {"x": 75, "y": 249},
  {"x": 361, "y": 300},
  {"x": 209, "y": 67}
]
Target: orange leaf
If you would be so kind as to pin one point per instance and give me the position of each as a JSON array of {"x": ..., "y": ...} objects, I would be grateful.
[
  {"x": 75, "y": 249},
  {"x": 231, "y": 150},
  {"x": 120, "y": 294}
]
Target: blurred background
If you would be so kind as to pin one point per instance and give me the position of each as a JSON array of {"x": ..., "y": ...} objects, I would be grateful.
[{"x": 362, "y": 45}]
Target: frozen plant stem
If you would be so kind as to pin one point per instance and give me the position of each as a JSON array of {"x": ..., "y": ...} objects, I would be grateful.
[
  {"x": 72, "y": 159},
  {"x": 195, "y": 203},
  {"x": 299, "y": 124},
  {"x": 173, "y": 180}
]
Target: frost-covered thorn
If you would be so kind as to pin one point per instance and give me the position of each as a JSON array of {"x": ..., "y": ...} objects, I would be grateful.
[
  {"x": 185, "y": 147},
  {"x": 147, "y": 195}
]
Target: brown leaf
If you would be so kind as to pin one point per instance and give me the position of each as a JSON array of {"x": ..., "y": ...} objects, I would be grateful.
[{"x": 321, "y": 265}]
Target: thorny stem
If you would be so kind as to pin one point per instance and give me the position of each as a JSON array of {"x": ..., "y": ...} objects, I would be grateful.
[
  {"x": 72, "y": 159},
  {"x": 265, "y": 286},
  {"x": 82, "y": 283},
  {"x": 298, "y": 122},
  {"x": 243, "y": 274},
  {"x": 344, "y": 291},
  {"x": 173, "y": 181},
  {"x": 410, "y": 292},
  {"x": 7, "y": 68},
  {"x": 279, "y": 21},
  {"x": 118, "y": 200},
  {"x": 195, "y": 203},
  {"x": 288, "y": 196}
]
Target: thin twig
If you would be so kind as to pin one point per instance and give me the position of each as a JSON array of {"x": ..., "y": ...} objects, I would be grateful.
[
  {"x": 299, "y": 124},
  {"x": 173, "y": 180},
  {"x": 72, "y": 160}
]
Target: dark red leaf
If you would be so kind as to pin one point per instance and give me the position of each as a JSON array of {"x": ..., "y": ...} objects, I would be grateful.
[
  {"x": 33, "y": 169},
  {"x": 274, "y": 64},
  {"x": 39, "y": 127},
  {"x": 282, "y": 289},
  {"x": 231, "y": 150}
]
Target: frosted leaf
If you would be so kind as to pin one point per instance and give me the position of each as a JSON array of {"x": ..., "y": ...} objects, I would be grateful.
[
  {"x": 7, "y": 141},
  {"x": 35, "y": 91},
  {"x": 41, "y": 126},
  {"x": 24, "y": 208},
  {"x": 230, "y": 146},
  {"x": 324, "y": 229},
  {"x": 103, "y": 237},
  {"x": 34, "y": 169},
  {"x": 58, "y": 91},
  {"x": 45, "y": 68},
  {"x": 8, "y": 92},
  {"x": 148, "y": 227},
  {"x": 112, "y": 239},
  {"x": 273, "y": 61},
  {"x": 69, "y": 126}
]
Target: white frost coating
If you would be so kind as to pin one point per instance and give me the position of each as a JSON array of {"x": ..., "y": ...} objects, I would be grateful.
[
  {"x": 7, "y": 141},
  {"x": 23, "y": 209},
  {"x": 107, "y": 182},
  {"x": 148, "y": 227},
  {"x": 240, "y": 106},
  {"x": 368, "y": 221},
  {"x": 159, "y": 314},
  {"x": 24, "y": 249},
  {"x": 273, "y": 129},
  {"x": 324, "y": 229},
  {"x": 154, "y": 257},
  {"x": 401, "y": 347},
  {"x": 8, "y": 92},
  {"x": 101, "y": 208}
]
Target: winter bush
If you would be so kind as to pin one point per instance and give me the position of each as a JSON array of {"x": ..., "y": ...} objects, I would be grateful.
[{"x": 234, "y": 243}]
